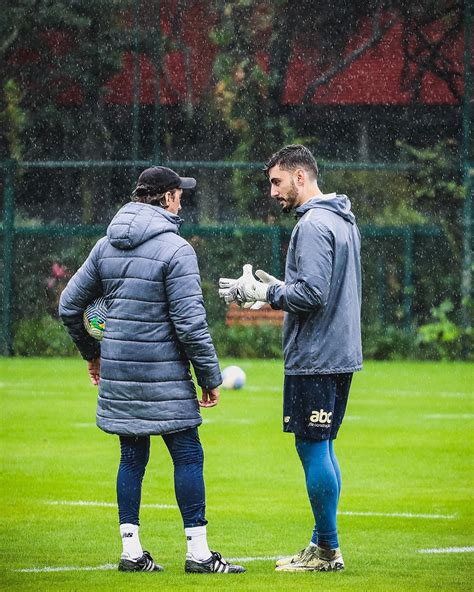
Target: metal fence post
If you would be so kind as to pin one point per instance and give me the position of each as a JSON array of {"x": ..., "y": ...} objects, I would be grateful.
[
  {"x": 381, "y": 282},
  {"x": 8, "y": 240},
  {"x": 408, "y": 278},
  {"x": 157, "y": 108},
  {"x": 276, "y": 252},
  {"x": 136, "y": 82},
  {"x": 466, "y": 283}
]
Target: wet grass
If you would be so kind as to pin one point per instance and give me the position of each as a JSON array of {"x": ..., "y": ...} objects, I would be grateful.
[{"x": 405, "y": 449}]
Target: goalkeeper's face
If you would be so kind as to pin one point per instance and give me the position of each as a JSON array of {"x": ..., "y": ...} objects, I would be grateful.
[{"x": 284, "y": 188}]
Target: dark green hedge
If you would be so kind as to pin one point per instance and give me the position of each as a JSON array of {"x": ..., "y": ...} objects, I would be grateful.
[{"x": 45, "y": 336}]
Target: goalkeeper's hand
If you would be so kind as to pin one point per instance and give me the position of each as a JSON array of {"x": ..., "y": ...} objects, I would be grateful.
[
  {"x": 267, "y": 279},
  {"x": 225, "y": 284},
  {"x": 247, "y": 291}
]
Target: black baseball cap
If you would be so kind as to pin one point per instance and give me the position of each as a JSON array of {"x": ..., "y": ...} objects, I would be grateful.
[{"x": 162, "y": 179}]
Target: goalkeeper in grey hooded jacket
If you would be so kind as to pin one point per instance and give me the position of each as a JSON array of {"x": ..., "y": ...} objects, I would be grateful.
[{"x": 321, "y": 297}]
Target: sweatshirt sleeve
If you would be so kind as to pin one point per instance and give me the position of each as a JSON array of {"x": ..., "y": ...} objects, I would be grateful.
[
  {"x": 314, "y": 251},
  {"x": 82, "y": 289},
  {"x": 187, "y": 312}
]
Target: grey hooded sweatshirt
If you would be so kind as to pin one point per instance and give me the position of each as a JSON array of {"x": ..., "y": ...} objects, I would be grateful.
[
  {"x": 156, "y": 324},
  {"x": 322, "y": 290}
]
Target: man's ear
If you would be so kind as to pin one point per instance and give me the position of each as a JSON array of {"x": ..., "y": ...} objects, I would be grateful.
[
  {"x": 166, "y": 200},
  {"x": 300, "y": 176}
]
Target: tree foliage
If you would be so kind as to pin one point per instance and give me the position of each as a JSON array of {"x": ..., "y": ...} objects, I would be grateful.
[
  {"x": 256, "y": 40},
  {"x": 60, "y": 54},
  {"x": 436, "y": 192},
  {"x": 13, "y": 119},
  {"x": 57, "y": 56}
]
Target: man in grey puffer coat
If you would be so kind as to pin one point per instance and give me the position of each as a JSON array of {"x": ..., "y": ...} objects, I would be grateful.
[
  {"x": 321, "y": 296},
  {"x": 156, "y": 325}
]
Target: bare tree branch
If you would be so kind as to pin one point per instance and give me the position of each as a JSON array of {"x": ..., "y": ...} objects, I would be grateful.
[
  {"x": 427, "y": 58},
  {"x": 9, "y": 41},
  {"x": 378, "y": 31}
]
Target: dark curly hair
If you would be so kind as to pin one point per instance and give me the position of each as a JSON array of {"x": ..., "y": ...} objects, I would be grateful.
[{"x": 148, "y": 194}]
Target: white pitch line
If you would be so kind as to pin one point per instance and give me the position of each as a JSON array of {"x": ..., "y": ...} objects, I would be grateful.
[
  {"x": 95, "y": 504},
  {"x": 110, "y": 566},
  {"x": 272, "y": 389},
  {"x": 394, "y": 392},
  {"x": 400, "y": 515},
  {"x": 237, "y": 421},
  {"x": 106, "y": 566},
  {"x": 30, "y": 392},
  {"x": 411, "y": 394},
  {"x": 449, "y": 416},
  {"x": 105, "y": 504},
  {"x": 447, "y": 550},
  {"x": 249, "y": 559}
]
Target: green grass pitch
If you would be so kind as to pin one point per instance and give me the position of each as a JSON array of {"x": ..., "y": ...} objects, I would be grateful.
[{"x": 405, "y": 450}]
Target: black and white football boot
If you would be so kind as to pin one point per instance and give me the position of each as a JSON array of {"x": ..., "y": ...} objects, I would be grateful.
[
  {"x": 215, "y": 564},
  {"x": 143, "y": 563}
]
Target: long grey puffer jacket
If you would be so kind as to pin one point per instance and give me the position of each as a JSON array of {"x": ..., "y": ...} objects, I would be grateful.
[{"x": 156, "y": 324}]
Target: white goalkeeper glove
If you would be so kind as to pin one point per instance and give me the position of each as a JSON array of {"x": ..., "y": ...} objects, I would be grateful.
[
  {"x": 247, "y": 291},
  {"x": 225, "y": 284},
  {"x": 268, "y": 280}
]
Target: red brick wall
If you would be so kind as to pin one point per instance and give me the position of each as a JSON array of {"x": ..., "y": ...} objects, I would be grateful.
[
  {"x": 245, "y": 316},
  {"x": 374, "y": 78}
]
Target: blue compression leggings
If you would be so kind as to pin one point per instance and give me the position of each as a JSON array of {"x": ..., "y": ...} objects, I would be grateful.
[
  {"x": 188, "y": 460},
  {"x": 323, "y": 483}
]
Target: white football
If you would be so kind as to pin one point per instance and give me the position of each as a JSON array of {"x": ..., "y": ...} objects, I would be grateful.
[{"x": 233, "y": 377}]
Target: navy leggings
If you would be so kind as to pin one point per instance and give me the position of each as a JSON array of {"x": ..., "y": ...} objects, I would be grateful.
[{"x": 188, "y": 460}]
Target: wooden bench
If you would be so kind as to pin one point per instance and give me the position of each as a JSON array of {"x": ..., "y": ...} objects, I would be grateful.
[{"x": 244, "y": 316}]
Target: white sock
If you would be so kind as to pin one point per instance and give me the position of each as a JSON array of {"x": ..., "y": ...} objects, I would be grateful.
[
  {"x": 196, "y": 538},
  {"x": 131, "y": 541}
]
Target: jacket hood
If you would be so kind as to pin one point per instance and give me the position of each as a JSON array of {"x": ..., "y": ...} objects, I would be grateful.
[
  {"x": 339, "y": 204},
  {"x": 136, "y": 223}
]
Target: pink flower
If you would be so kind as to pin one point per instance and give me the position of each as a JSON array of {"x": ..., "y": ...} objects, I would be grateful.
[{"x": 58, "y": 271}]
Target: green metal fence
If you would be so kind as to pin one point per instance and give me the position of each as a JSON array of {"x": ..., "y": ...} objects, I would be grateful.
[{"x": 275, "y": 237}]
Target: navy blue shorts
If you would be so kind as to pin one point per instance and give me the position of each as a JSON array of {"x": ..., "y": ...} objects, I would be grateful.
[{"x": 314, "y": 405}]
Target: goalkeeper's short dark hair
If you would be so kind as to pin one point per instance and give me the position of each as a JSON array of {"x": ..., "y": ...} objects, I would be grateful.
[{"x": 291, "y": 157}]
